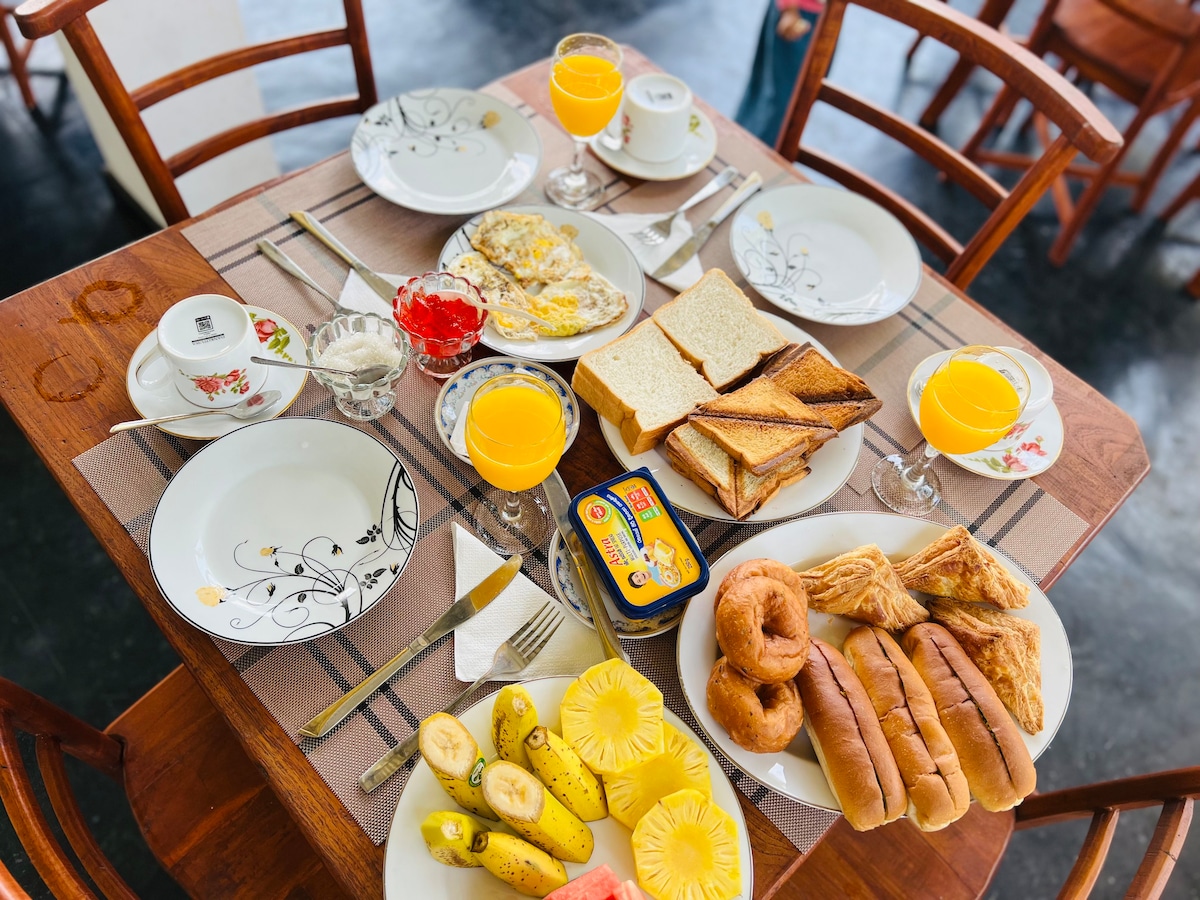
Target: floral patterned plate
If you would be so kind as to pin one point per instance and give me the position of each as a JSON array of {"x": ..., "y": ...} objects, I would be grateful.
[
  {"x": 445, "y": 151},
  {"x": 283, "y": 530},
  {"x": 1029, "y": 448},
  {"x": 826, "y": 254},
  {"x": 460, "y": 388},
  {"x": 277, "y": 337},
  {"x": 698, "y": 150}
]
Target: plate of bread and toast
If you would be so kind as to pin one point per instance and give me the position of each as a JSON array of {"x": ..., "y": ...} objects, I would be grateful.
[
  {"x": 739, "y": 414},
  {"x": 877, "y": 664}
]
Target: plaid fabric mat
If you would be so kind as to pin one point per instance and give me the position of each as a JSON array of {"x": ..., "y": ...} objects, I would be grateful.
[{"x": 129, "y": 471}]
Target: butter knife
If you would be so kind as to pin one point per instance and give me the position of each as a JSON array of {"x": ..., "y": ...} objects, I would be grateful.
[
  {"x": 460, "y": 611},
  {"x": 377, "y": 283},
  {"x": 693, "y": 244},
  {"x": 583, "y": 576}
]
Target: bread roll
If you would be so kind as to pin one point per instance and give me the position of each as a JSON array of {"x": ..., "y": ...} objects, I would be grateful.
[
  {"x": 990, "y": 749},
  {"x": 849, "y": 743},
  {"x": 928, "y": 763}
]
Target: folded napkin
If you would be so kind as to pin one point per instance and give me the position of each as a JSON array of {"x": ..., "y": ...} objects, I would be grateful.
[
  {"x": 573, "y": 648},
  {"x": 650, "y": 258},
  {"x": 358, "y": 296}
]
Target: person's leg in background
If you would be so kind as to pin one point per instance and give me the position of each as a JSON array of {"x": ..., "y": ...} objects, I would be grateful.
[{"x": 782, "y": 43}]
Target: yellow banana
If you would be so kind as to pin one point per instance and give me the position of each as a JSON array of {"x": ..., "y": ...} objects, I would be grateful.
[
  {"x": 523, "y": 803},
  {"x": 449, "y": 836},
  {"x": 518, "y": 863},
  {"x": 455, "y": 761},
  {"x": 564, "y": 774},
  {"x": 513, "y": 717}
]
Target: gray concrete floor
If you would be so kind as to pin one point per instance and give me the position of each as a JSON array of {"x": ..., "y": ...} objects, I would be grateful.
[{"x": 1116, "y": 315}]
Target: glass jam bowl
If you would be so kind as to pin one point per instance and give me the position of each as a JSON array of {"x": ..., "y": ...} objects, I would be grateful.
[
  {"x": 354, "y": 341},
  {"x": 441, "y": 324}
]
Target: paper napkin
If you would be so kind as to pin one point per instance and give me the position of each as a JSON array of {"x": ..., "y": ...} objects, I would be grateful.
[
  {"x": 650, "y": 258},
  {"x": 573, "y": 648},
  {"x": 356, "y": 295}
]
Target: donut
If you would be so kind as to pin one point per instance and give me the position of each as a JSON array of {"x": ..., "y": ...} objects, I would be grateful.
[
  {"x": 767, "y": 568},
  {"x": 763, "y": 718},
  {"x": 762, "y": 627}
]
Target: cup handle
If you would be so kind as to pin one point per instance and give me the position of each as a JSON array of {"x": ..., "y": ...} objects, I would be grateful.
[{"x": 152, "y": 383}]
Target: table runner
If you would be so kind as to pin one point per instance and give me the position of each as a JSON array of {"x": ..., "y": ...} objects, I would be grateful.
[{"x": 130, "y": 471}]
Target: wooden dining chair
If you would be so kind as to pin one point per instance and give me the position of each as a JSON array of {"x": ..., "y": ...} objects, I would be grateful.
[
  {"x": 125, "y": 104},
  {"x": 1083, "y": 128},
  {"x": 1146, "y": 52},
  {"x": 204, "y": 809},
  {"x": 18, "y": 57},
  {"x": 960, "y": 861}
]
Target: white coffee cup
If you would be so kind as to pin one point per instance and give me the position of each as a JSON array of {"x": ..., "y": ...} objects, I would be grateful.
[
  {"x": 656, "y": 110},
  {"x": 1041, "y": 388},
  {"x": 203, "y": 346}
]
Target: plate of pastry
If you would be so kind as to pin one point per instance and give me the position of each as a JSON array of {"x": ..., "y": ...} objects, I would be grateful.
[
  {"x": 757, "y": 428},
  {"x": 911, "y": 652},
  {"x": 560, "y": 265}
]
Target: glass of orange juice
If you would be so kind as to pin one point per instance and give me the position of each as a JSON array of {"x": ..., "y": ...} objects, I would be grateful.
[
  {"x": 968, "y": 403},
  {"x": 515, "y": 434},
  {"x": 585, "y": 90}
]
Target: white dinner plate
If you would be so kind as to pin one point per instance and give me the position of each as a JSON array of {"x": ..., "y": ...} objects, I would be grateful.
[
  {"x": 699, "y": 148},
  {"x": 277, "y": 337},
  {"x": 283, "y": 530},
  {"x": 794, "y": 772},
  {"x": 831, "y": 466},
  {"x": 410, "y": 872},
  {"x": 445, "y": 151},
  {"x": 602, "y": 250},
  {"x": 826, "y": 254}
]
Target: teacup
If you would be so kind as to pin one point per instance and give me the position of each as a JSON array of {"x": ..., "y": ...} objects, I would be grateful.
[
  {"x": 655, "y": 115},
  {"x": 203, "y": 346},
  {"x": 1041, "y": 388}
]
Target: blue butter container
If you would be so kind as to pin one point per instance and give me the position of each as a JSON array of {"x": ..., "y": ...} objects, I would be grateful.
[{"x": 644, "y": 554}]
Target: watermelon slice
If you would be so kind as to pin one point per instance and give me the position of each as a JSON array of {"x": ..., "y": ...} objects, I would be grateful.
[
  {"x": 629, "y": 890},
  {"x": 596, "y": 884}
]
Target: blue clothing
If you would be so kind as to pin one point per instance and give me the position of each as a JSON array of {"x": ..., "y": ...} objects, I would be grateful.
[{"x": 777, "y": 64}]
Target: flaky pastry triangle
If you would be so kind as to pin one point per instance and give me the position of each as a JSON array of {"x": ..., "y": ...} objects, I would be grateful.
[
  {"x": 862, "y": 585},
  {"x": 957, "y": 566}
]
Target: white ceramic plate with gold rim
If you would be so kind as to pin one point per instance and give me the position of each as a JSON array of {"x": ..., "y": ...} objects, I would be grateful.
[
  {"x": 795, "y": 772},
  {"x": 409, "y": 871},
  {"x": 831, "y": 466}
]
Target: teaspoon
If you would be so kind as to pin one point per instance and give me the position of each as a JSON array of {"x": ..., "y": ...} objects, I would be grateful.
[
  {"x": 254, "y": 405},
  {"x": 361, "y": 376}
]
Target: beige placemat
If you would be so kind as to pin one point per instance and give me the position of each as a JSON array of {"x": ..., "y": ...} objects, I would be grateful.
[{"x": 130, "y": 471}]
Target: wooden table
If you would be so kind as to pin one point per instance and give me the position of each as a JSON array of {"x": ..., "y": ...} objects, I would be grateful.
[{"x": 64, "y": 348}]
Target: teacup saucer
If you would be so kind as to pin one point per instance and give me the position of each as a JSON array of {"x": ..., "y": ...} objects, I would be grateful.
[
  {"x": 698, "y": 150},
  {"x": 1025, "y": 451},
  {"x": 279, "y": 338}
]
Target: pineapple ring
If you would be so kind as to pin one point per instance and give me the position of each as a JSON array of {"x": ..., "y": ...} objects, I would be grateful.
[
  {"x": 762, "y": 626},
  {"x": 768, "y": 568},
  {"x": 763, "y": 718}
]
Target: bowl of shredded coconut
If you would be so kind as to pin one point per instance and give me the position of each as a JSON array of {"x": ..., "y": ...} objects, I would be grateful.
[{"x": 354, "y": 341}]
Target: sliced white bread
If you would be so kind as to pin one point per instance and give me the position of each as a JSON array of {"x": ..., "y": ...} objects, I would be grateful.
[
  {"x": 718, "y": 330},
  {"x": 641, "y": 384}
]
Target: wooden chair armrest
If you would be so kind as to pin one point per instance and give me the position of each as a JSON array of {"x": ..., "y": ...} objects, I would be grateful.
[{"x": 40, "y": 18}]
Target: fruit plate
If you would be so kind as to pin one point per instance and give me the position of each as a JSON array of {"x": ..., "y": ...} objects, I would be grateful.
[
  {"x": 794, "y": 772},
  {"x": 409, "y": 871}
]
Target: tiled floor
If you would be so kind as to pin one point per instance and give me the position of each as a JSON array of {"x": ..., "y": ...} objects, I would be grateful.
[{"x": 1116, "y": 315}]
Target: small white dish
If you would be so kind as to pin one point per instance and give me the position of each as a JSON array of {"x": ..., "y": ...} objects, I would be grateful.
[
  {"x": 445, "y": 151},
  {"x": 698, "y": 151},
  {"x": 1029, "y": 448},
  {"x": 409, "y": 871},
  {"x": 826, "y": 254},
  {"x": 283, "y": 531},
  {"x": 561, "y": 567},
  {"x": 460, "y": 387},
  {"x": 795, "y": 772},
  {"x": 277, "y": 338},
  {"x": 831, "y": 466},
  {"x": 602, "y": 250}
]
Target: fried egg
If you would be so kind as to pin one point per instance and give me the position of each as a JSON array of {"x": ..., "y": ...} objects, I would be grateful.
[{"x": 532, "y": 249}]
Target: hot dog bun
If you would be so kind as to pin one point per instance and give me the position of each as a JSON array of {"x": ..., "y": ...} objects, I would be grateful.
[
  {"x": 928, "y": 763},
  {"x": 850, "y": 745},
  {"x": 993, "y": 755}
]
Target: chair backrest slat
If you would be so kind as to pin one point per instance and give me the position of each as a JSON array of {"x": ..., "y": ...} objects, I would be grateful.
[
  {"x": 1165, "y": 844},
  {"x": 1092, "y": 854}
]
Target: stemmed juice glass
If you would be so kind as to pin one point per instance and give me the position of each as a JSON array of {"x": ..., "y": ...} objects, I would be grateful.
[
  {"x": 585, "y": 90},
  {"x": 968, "y": 403},
  {"x": 515, "y": 436}
]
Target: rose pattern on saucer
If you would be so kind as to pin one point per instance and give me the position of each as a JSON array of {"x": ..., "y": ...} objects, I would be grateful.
[
  {"x": 213, "y": 386},
  {"x": 1022, "y": 456},
  {"x": 273, "y": 336}
]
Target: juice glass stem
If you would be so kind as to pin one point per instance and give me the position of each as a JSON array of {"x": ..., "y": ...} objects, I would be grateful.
[{"x": 907, "y": 483}]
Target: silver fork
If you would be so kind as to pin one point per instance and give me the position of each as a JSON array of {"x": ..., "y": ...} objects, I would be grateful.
[
  {"x": 511, "y": 657},
  {"x": 657, "y": 232}
]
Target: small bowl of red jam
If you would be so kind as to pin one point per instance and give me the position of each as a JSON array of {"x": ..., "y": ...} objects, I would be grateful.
[{"x": 436, "y": 310}]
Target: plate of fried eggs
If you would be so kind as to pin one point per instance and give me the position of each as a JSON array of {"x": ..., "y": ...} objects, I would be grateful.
[{"x": 557, "y": 264}]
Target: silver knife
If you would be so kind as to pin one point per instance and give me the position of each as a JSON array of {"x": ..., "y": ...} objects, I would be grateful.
[
  {"x": 693, "y": 244},
  {"x": 460, "y": 611},
  {"x": 584, "y": 577},
  {"x": 378, "y": 284}
]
